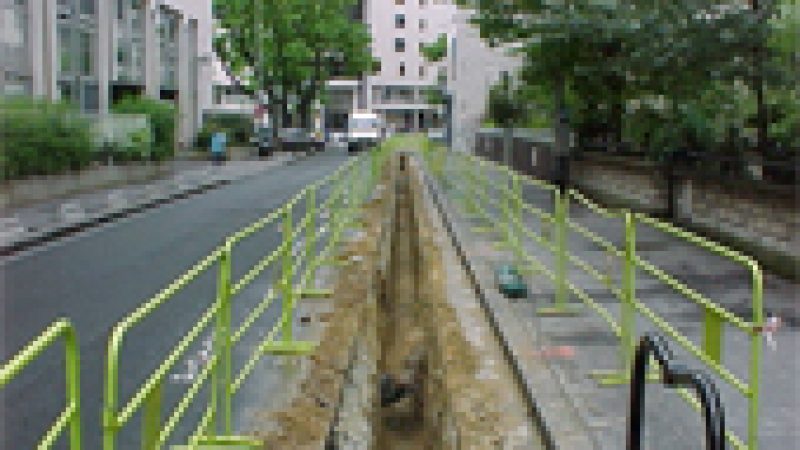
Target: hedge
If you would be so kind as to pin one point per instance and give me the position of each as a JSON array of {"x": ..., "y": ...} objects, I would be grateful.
[
  {"x": 42, "y": 138},
  {"x": 161, "y": 115}
]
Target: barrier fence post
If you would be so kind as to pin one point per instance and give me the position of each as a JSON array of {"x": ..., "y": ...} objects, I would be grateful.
[
  {"x": 560, "y": 303},
  {"x": 516, "y": 223},
  {"x": 507, "y": 194},
  {"x": 311, "y": 233},
  {"x": 627, "y": 322},
  {"x": 221, "y": 385},
  {"x": 755, "y": 356},
  {"x": 516, "y": 188},
  {"x": 151, "y": 418},
  {"x": 286, "y": 278},
  {"x": 469, "y": 186},
  {"x": 628, "y": 319},
  {"x": 73, "y": 366},
  {"x": 373, "y": 166},
  {"x": 70, "y": 415},
  {"x": 712, "y": 335}
]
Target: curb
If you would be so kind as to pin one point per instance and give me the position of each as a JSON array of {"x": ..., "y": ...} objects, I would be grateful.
[
  {"x": 58, "y": 232},
  {"x": 545, "y": 413}
]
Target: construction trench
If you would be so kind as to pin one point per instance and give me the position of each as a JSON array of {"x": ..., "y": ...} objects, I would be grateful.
[{"x": 407, "y": 358}]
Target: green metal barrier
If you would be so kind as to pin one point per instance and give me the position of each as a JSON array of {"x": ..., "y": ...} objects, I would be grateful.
[
  {"x": 492, "y": 193},
  {"x": 348, "y": 187},
  {"x": 71, "y": 415}
]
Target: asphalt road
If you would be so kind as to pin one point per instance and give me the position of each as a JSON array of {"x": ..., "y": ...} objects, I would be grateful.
[{"x": 98, "y": 277}]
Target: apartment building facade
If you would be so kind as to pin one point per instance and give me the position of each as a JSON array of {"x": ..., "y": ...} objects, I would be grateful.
[
  {"x": 94, "y": 52},
  {"x": 400, "y": 90}
]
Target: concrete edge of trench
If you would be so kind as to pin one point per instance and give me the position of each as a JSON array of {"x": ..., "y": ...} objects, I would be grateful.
[{"x": 551, "y": 406}]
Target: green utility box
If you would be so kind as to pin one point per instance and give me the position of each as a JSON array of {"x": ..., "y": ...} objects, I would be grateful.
[{"x": 510, "y": 282}]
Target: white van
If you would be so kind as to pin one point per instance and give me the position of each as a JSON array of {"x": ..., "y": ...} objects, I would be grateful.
[{"x": 365, "y": 129}]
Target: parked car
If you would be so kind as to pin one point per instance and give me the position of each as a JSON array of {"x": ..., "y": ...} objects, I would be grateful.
[
  {"x": 262, "y": 139},
  {"x": 300, "y": 140},
  {"x": 293, "y": 140}
]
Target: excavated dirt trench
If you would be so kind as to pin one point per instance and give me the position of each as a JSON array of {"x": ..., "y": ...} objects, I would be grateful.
[
  {"x": 403, "y": 358},
  {"x": 407, "y": 359}
]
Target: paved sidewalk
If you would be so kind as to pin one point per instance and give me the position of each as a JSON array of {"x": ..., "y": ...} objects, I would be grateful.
[
  {"x": 25, "y": 227},
  {"x": 572, "y": 347}
]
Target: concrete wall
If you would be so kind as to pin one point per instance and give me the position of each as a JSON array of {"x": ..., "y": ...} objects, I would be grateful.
[
  {"x": 747, "y": 213},
  {"x": 532, "y": 154}
]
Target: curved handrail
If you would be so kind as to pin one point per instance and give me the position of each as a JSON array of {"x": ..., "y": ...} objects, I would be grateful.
[
  {"x": 71, "y": 414},
  {"x": 673, "y": 376}
]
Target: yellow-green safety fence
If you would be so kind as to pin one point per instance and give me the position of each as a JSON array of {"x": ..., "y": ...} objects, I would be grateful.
[
  {"x": 347, "y": 188},
  {"x": 71, "y": 414},
  {"x": 484, "y": 185}
]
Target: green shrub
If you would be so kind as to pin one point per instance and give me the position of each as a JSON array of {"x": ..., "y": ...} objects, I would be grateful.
[
  {"x": 238, "y": 127},
  {"x": 203, "y": 139},
  {"x": 41, "y": 138},
  {"x": 161, "y": 115},
  {"x": 136, "y": 148}
]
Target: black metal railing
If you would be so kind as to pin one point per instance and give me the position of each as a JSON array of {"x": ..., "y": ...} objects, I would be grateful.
[{"x": 673, "y": 375}]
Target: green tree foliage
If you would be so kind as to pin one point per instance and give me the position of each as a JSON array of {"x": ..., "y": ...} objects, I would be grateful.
[
  {"x": 161, "y": 116},
  {"x": 436, "y": 50},
  {"x": 288, "y": 49},
  {"x": 41, "y": 138},
  {"x": 506, "y": 107},
  {"x": 783, "y": 99},
  {"x": 667, "y": 75}
]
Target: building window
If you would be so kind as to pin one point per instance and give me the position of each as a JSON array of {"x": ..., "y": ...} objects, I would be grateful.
[
  {"x": 421, "y": 24},
  {"x": 399, "y": 2},
  {"x": 399, "y": 45},
  {"x": 422, "y": 2},
  {"x": 87, "y": 53},
  {"x": 88, "y": 7},
  {"x": 400, "y": 21},
  {"x": 422, "y": 71},
  {"x": 402, "y": 69}
]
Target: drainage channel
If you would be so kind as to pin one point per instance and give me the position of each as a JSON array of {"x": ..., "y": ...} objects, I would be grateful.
[
  {"x": 402, "y": 367},
  {"x": 413, "y": 358}
]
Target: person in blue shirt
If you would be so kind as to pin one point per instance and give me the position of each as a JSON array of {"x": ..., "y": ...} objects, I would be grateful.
[{"x": 218, "y": 147}]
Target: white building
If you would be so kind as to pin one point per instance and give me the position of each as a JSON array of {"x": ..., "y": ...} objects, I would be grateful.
[
  {"x": 94, "y": 52},
  {"x": 473, "y": 68},
  {"x": 399, "y": 29},
  {"x": 398, "y": 90}
]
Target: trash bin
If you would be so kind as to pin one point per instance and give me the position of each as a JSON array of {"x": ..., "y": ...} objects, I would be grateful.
[{"x": 218, "y": 141}]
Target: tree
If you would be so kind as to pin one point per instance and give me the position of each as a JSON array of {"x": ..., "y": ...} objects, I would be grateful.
[
  {"x": 436, "y": 50},
  {"x": 600, "y": 57},
  {"x": 286, "y": 49}
]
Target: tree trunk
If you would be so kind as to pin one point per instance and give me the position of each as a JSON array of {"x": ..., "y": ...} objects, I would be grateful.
[
  {"x": 561, "y": 125},
  {"x": 274, "y": 118},
  {"x": 762, "y": 121}
]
